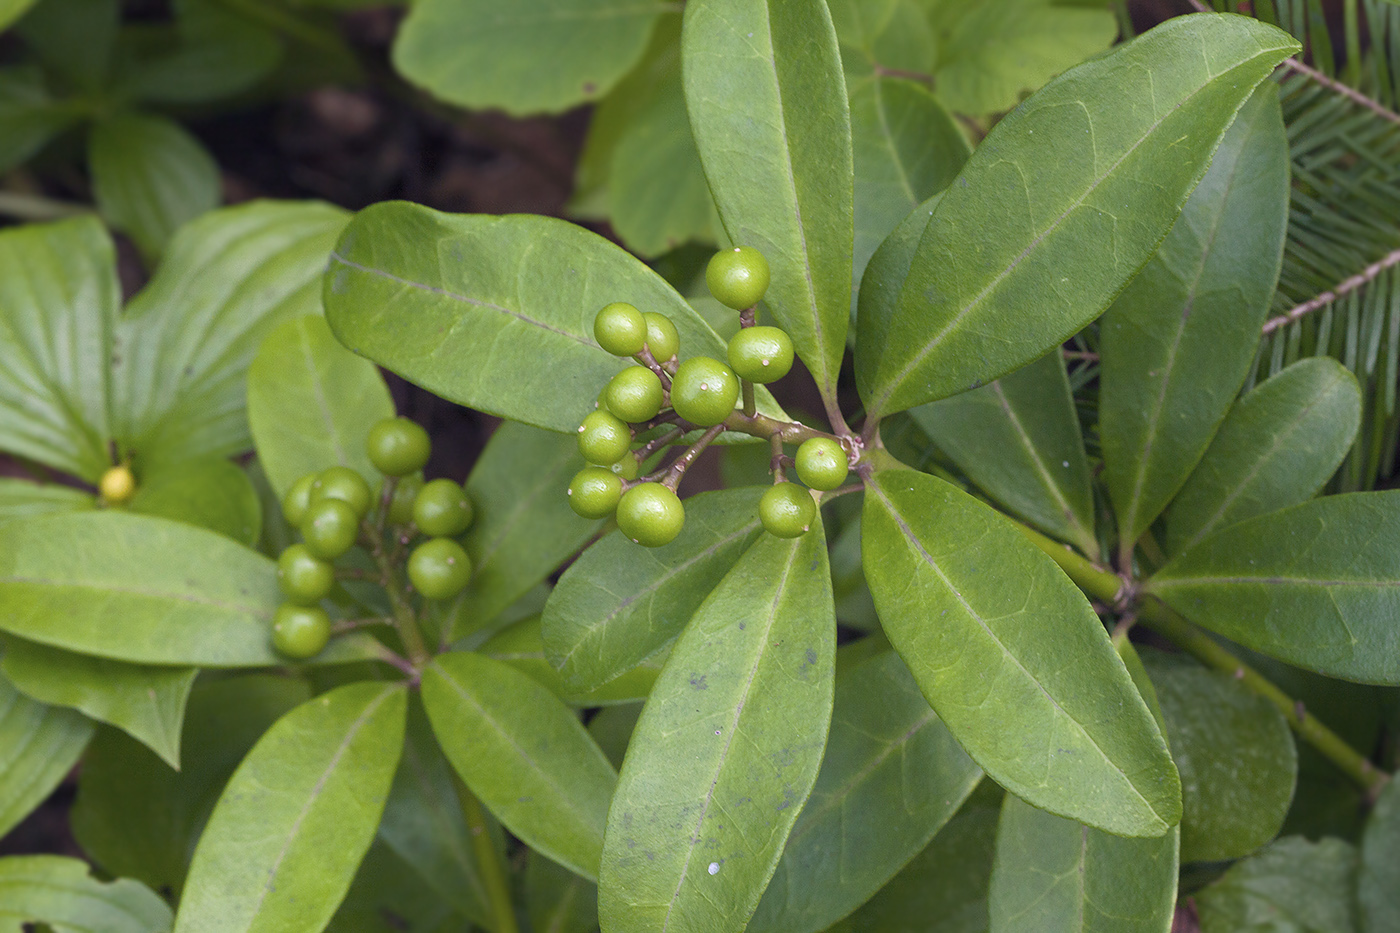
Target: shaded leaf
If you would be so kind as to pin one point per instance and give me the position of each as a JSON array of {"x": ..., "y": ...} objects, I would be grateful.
[
  {"x": 39, "y": 744},
  {"x": 213, "y": 52},
  {"x": 389, "y": 896},
  {"x": 1378, "y": 880},
  {"x": 21, "y": 498},
  {"x": 11, "y": 10},
  {"x": 557, "y": 900},
  {"x": 29, "y": 116},
  {"x": 210, "y": 493},
  {"x": 58, "y": 892},
  {"x": 521, "y": 645},
  {"x": 1293, "y": 886}
]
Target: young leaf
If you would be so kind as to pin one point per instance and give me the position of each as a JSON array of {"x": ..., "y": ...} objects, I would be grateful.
[
  {"x": 1294, "y": 884},
  {"x": 1019, "y": 440},
  {"x": 619, "y": 604},
  {"x": 1059, "y": 207},
  {"x": 1378, "y": 880},
  {"x": 59, "y": 893},
  {"x": 768, "y": 108},
  {"x": 866, "y": 818},
  {"x": 521, "y": 645},
  {"x": 146, "y": 702},
  {"x": 150, "y": 176},
  {"x": 727, "y": 748},
  {"x": 311, "y": 403},
  {"x": 1317, "y": 585},
  {"x": 524, "y": 753},
  {"x": 39, "y": 744},
  {"x": 1172, "y": 356},
  {"x": 210, "y": 493},
  {"x": 290, "y": 829},
  {"x": 1278, "y": 447},
  {"x": 20, "y": 498},
  {"x": 1018, "y": 666}
]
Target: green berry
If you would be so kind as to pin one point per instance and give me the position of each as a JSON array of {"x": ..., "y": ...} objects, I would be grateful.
[
  {"x": 295, "y": 502},
  {"x": 650, "y": 514},
  {"x": 635, "y": 394},
  {"x": 628, "y": 467},
  {"x": 663, "y": 340},
  {"x": 300, "y": 632},
  {"x": 620, "y": 329},
  {"x": 786, "y": 510},
  {"x": 737, "y": 277},
  {"x": 401, "y": 500},
  {"x": 594, "y": 492},
  {"x": 343, "y": 483},
  {"x": 761, "y": 354},
  {"x": 604, "y": 438},
  {"x": 442, "y": 509},
  {"x": 398, "y": 446},
  {"x": 821, "y": 463},
  {"x": 439, "y": 568},
  {"x": 704, "y": 391},
  {"x": 330, "y": 528},
  {"x": 305, "y": 579}
]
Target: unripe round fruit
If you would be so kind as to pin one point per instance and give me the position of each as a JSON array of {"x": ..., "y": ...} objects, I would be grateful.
[
  {"x": 297, "y": 499},
  {"x": 628, "y": 467},
  {"x": 300, "y": 632},
  {"x": 821, "y": 463},
  {"x": 117, "y": 485},
  {"x": 704, "y": 391},
  {"x": 635, "y": 394},
  {"x": 603, "y": 437},
  {"x": 761, "y": 354},
  {"x": 663, "y": 340},
  {"x": 620, "y": 329},
  {"x": 737, "y": 277},
  {"x": 330, "y": 528},
  {"x": 398, "y": 446},
  {"x": 594, "y": 492},
  {"x": 442, "y": 509},
  {"x": 401, "y": 502},
  {"x": 343, "y": 483},
  {"x": 439, "y": 568},
  {"x": 786, "y": 510},
  {"x": 305, "y": 579},
  {"x": 650, "y": 514}
]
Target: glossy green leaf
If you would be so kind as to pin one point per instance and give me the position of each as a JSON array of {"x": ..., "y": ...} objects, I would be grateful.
[
  {"x": 58, "y": 303},
  {"x": 493, "y": 324},
  {"x": 39, "y": 744},
  {"x": 727, "y": 748},
  {"x": 557, "y": 900},
  {"x": 137, "y": 817},
  {"x": 59, "y": 893},
  {"x": 288, "y": 833},
  {"x": 211, "y": 493},
  {"x": 619, "y": 603},
  {"x": 521, "y": 645},
  {"x": 1278, "y": 446},
  {"x": 146, "y": 702},
  {"x": 1018, "y": 667},
  {"x": 149, "y": 176},
  {"x": 529, "y": 56},
  {"x": 1317, "y": 585},
  {"x": 183, "y": 347},
  {"x": 29, "y": 116},
  {"x": 20, "y": 498},
  {"x": 1059, "y": 207},
  {"x": 1378, "y": 878},
  {"x": 891, "y": 777},
  {"x": 1019, "y": 440},
  {"x": 770, "y": 115},
  {"x": 1172, "y": 358},
  {"x": 146, "y": 590},
  {"x": 311, "y": 403},
  {"x": 524, "y": 753},
  {"x": 1293, "y": 886}
]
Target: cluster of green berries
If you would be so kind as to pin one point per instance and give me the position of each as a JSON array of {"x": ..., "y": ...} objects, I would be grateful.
[
  {"x": 701, "y": 392},
  {"x": 333, "y": 509}
]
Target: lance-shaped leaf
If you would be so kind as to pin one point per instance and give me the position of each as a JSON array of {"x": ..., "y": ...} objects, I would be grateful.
[
  {"x": 1012, "y": 658},
  {"x": 311, "y": 403},
  {"x": 524, "y": 753},
  {"x": 727, "y": 748},
  {"x": 20, "y": 498},
  {"x": 209, "y": 492},
  {"x": 58, "y": 302},
  {"x": 769, "y": 112},
  {"x": 1292, "y": 885},
  {"x": 891, "y": 777},
  {"x": 1172, "y": 356},
  {"x": 1378, "y": 880},
  {"x": 146, "y": 590},
  {"x": 1317, "y": 585},
  {"x": 521, "y": 645},
  {"x": 618, "y": 604},
  {"x": 1278, "y": 446},
  {"x": 146, "y": 702},
  {"x": 39, "y": 744},
  {"x": 498, "y": 314},
  {"x": 289, "y": 831},
  {"x": 59, "y": 893},
  {"x": 1019, "y": 440},
  {"x": 1059, "y": 207}
]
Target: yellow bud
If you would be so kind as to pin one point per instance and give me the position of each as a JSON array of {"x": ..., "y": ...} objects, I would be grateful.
[{"x": 117, "y": 485}]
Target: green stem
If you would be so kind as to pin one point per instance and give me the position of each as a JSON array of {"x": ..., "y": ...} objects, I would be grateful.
[
  {"x": 1106, "y": 587},
  {"x": 488, "y": 861},
  {"x": 405, "y": 620}
]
